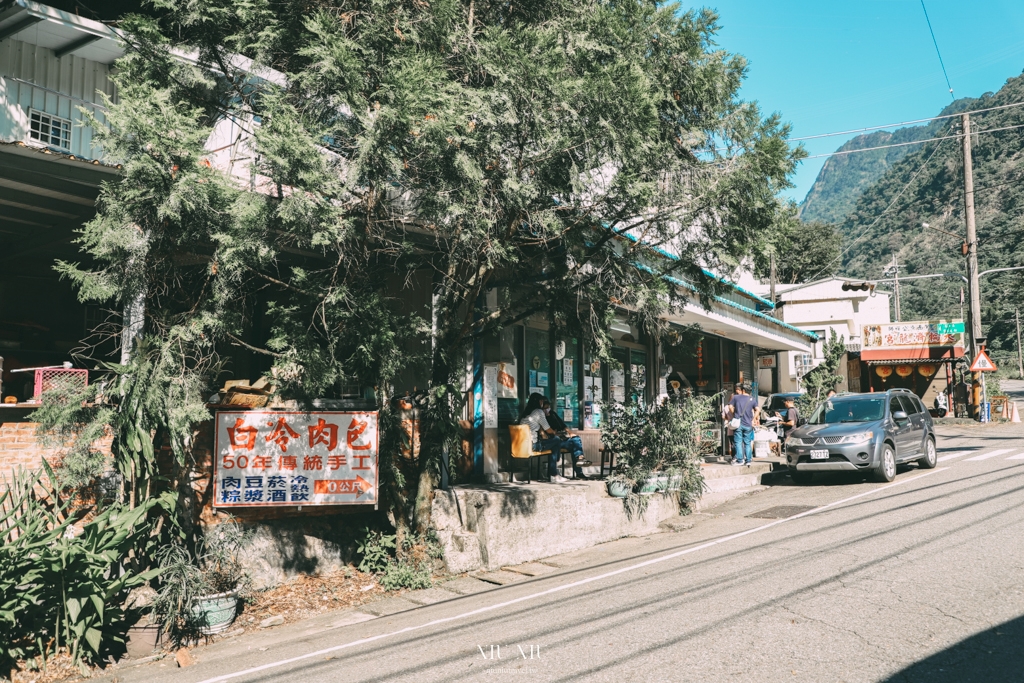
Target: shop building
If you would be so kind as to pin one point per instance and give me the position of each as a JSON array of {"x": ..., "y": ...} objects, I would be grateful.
[
  {"x": 531, "y": 358},
  {"x": 919, "y": 355},
  {"x": 53, "y": 63},
  {"x": 837, "y": 305}
]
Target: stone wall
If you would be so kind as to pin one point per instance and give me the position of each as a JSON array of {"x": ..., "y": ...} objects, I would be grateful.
[{"x": 507, "y": 524}]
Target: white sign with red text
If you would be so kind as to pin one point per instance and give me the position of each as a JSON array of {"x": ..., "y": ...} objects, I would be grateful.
[{"x": 273, "y": 457}]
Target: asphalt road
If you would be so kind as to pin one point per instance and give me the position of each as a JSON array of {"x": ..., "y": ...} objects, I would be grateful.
[{"x": 918, "y": 580}]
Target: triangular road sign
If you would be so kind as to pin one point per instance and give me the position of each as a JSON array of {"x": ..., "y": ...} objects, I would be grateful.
[{"x": 983, "y": 363}]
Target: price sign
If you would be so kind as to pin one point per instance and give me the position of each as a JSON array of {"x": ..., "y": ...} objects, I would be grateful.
[{"x": 277, "y": 458}]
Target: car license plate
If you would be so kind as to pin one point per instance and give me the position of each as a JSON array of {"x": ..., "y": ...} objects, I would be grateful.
[{"x": 819, "y": 454}]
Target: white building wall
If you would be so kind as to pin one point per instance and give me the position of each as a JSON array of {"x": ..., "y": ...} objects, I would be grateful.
[
  {"x": 31, "y": 77},
  {"x": 824, "y": 308}
]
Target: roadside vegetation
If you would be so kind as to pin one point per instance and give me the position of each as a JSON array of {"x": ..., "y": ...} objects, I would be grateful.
[{"x": 466, "y": 147}]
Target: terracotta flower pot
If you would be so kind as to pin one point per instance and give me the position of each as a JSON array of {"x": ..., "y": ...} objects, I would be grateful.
[{"x": 142, "y": 640}]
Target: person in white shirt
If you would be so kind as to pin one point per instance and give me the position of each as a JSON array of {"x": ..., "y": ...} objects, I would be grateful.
[{"x": 544, "y": 437}]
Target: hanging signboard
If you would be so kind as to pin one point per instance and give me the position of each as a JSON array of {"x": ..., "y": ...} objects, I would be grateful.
[
  {"x": 766, "y": 362},
  {"x": 278, "y": 458},
  {"x": 982, "y": 363},
  {"x": 926, "y": 339}
]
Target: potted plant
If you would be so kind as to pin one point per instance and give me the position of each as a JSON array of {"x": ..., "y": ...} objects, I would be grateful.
[
  {"x": 200, "y": 590},
  {"x": 657, "y": 449}
]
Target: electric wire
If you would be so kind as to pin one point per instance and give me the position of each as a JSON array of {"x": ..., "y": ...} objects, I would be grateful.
[
  {"x": 914, "y": 142},
  {"x": 936, "y": 43},
  {"x": 907, "y": 123},
  {"x": 866, "y": 233}
]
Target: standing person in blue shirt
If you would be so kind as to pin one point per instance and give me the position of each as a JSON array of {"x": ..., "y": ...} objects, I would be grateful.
[{"x": 744, "y": 407}]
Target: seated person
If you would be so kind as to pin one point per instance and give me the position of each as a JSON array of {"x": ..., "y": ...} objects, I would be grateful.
[
  {"x": 570, "y": 441},
  {"x": 544, "y": 437}
]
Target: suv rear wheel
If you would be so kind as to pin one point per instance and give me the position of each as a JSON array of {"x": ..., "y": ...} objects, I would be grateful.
[
  {"x": 887, "y": 467},
  {"x": 929, "y": 460}
]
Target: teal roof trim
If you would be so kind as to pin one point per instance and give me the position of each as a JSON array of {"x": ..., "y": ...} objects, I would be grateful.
[
  {"x": 669, "y": 255},
  {"x": 732, "y": 304}
]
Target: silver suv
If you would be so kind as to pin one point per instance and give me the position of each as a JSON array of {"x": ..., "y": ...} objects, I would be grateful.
[{"x": 863, "y": 432}]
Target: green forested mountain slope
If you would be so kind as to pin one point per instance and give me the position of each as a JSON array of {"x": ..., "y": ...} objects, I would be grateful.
[
  {"x": 925, "y": 186},
  {"x": 844, "y": 177}
]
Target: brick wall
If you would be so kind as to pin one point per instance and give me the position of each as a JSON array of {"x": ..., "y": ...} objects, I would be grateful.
[{"x": 21, "y": 448}]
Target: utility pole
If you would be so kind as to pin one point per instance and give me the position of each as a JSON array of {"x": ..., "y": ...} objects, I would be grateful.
[
  {"x": 771, "y": 276},
  {"x": 1020, "y": 357},
  {"x": 974, "y": 291},
  {"x": 894, "y": 268}
]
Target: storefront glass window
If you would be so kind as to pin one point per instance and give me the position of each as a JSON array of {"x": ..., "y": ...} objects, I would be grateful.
[
  {"x": 567, "y": 372},
  {"x": 593, "y": 394},
  {"x": 637, "y": 375},
  {"x": 617, "y": 374},
  {"x": 508, "y": 395},
  {"x": 538, "y": 362}
]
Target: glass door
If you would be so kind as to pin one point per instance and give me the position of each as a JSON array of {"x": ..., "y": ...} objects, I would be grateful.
[
  {"x": 637, "y": 376},
  {"x": 538, "y": 362},
  {"x": 567, "y": 371}
]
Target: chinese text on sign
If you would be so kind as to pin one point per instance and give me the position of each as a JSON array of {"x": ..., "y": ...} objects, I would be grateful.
[{"x": 294, "y": 458}]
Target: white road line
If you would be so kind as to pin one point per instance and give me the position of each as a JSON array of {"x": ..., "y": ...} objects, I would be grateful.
[
  {"x": 950, "y": 456},
  {"x": 1019, "y": 456},
  {"x": 990, "y": 454},
  {"x": 567, "y": 586}
]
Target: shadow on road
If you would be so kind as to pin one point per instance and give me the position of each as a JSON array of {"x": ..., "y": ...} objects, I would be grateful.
[{"x": 992, "y": 656}]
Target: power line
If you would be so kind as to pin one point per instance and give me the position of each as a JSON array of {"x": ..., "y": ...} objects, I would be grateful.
[
  {"x": 915, "y": 142},
  {"x": 907, "y": 123},
  {"x": 936, "y": 43},
  {"x": 866, "y": 232}
]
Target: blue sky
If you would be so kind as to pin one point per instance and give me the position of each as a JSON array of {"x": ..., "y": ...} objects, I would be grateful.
[{"x": 829, "y": 65}]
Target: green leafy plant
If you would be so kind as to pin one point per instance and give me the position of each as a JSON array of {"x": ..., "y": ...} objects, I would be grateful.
[
  {"x": 409, "y": 574},
  {"x": 62, "y": 589},
  {"x": 664, "y": 439},
  {"x": 824, "y": 377},
  {"x": 411, "y": 568},
  {"x": 377, "y": 549}
]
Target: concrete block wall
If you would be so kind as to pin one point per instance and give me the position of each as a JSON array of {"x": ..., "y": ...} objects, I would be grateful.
[{"x": 508, "y": 524}]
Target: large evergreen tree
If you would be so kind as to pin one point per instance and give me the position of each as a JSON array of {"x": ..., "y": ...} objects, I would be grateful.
[{"x": 548, "y": 151}]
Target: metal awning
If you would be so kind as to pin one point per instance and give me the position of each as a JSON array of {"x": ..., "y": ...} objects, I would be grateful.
[
  {"x": 739, "y": 323},
  {"x": 62, "y": 32},
  {"x": 911, "y": 361},
  {"x": 44, "y": 199}
]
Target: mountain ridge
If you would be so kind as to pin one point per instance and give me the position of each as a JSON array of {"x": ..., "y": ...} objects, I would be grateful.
[{"x": 925, "y": 185}]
